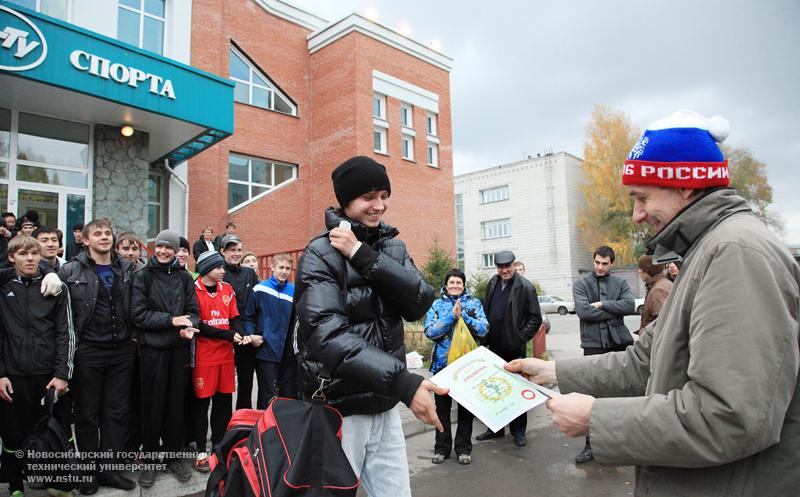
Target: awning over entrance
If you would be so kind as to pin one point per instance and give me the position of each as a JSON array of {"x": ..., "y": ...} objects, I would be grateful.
[{"x": 54, "y": 68}]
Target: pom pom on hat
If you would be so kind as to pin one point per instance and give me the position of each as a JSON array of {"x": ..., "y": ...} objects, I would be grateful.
[{"x": 680, "y": 151}]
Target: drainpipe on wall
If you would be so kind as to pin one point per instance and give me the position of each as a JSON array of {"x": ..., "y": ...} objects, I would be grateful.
[{"x": 180, "y": 180}]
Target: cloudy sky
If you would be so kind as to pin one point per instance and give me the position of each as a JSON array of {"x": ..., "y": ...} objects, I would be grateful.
[{"x": 527, "y": 73}]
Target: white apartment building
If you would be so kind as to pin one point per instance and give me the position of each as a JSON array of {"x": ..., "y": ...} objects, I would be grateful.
[{"x": 531, "y": 208}]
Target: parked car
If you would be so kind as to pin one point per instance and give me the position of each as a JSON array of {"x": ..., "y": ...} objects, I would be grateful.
[
  {"x": 550, "y": 304},
  {"x": 639, "y": 306}
]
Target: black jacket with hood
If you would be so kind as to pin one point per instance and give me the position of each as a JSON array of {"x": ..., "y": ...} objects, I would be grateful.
[
  {"x": 350, "y": 316},
  {"x": 161, "y": 292},
  {"x": 36, "y": 333}
]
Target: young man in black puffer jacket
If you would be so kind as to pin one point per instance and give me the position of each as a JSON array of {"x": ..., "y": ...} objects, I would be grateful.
[
  {"x": 356, "y": 284},
  {"x": 165, "y": 311}
]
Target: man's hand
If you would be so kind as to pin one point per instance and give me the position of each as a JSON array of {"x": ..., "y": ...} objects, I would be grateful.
[
  {"x": 343, "y": 240},
  {"x": 59, "y": 384},
  {"x": 256, "y": 340},
  {"x": 597, "y": 305},
  {"x": 535, "y": 370},
  {"x": 51, "y": 285},
  {"x": 188, "y": 333},
  {"x": 457, "y": 309},
  {"x": 181, "y": 321},
  {"x": 571, "y": 413},
  {"x": 422, "y": 404},
  {"x": 6, "y": 390}
]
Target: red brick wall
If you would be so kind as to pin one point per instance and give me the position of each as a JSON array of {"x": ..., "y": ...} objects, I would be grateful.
[{"x": 333, "y": 91}]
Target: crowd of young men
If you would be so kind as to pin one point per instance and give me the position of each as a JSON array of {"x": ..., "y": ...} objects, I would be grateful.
[{"x": 137, "y": 350}]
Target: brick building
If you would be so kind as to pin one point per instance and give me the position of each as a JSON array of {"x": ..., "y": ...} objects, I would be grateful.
[{"x": 310, "y": 94}]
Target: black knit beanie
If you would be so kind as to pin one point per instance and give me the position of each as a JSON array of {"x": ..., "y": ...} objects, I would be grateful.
[{"x": 357, "y": 176}]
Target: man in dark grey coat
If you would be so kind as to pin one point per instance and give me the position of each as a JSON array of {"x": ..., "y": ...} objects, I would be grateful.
[
  {"x": 512, "y": 308},
  {"x": 602, "y": 300}
]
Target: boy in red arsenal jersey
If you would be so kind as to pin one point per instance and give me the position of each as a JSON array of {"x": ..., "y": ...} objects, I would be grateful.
[{"x": 213, "y": 374}]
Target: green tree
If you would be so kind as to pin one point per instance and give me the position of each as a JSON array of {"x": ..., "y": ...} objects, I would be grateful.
[
  {"x": 477, "y": 284},
  {"x": 606, "y": 220},
  {"x": 439, "y": 262}
]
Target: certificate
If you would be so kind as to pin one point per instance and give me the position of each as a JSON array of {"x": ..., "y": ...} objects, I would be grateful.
[{"x": 478, "y": 382}]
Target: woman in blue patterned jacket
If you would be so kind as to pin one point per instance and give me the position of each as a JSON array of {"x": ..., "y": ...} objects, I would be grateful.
[{"x": 440, "y": 323}]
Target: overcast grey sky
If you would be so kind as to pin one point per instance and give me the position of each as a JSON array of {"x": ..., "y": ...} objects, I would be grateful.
[{"x": 527, "y": 73}]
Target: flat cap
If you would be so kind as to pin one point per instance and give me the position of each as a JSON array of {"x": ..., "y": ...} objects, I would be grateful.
[{"x": 504, "y": 257}]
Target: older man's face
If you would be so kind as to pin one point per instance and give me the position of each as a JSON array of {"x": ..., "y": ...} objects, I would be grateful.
[
  {"x": 656, "y": 205},
  {"x": 506, "y": 271}
]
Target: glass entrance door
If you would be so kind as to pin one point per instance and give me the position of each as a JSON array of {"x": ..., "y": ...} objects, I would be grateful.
[{"x": 57, "y": 209}]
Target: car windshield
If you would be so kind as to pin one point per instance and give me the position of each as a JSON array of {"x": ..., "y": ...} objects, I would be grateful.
[{"x": 557, "y": 299}]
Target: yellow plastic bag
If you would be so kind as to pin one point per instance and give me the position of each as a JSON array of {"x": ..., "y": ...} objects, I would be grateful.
[{"x": 462, "y": 343}]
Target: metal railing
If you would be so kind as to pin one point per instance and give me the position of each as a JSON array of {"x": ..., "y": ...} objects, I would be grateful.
[{"x": 265, "y": 263}]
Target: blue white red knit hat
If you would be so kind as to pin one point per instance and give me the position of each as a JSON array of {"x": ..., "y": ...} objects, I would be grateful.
[{"x": 680, "y": 151}]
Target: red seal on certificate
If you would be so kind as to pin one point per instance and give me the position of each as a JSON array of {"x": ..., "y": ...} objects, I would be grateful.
[{"x": 528, "y": 394}]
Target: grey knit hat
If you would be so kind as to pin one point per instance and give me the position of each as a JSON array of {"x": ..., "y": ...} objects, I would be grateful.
[
  {"x": 208, "y": 261},
  {"x": 168, "y": 238}
]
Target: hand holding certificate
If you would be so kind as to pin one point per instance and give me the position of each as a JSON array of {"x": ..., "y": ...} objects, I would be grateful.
[{"x": 479, "y": 382}]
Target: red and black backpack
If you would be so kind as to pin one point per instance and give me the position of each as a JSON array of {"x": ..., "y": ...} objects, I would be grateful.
[{"x": 293, "y": 448}]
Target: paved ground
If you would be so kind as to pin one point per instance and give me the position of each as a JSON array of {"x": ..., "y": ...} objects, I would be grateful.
[{"x": 544, "y": 468}]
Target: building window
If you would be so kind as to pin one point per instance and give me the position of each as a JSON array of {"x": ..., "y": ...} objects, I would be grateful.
[
  {"x": 154, "y": 203},
  {"x": 254, "y": 88},
  {"x": 497, "y": 194},
  {"x": 52, "y": 8},
  {"x": 430, "y": 123},
  {"x": 379, "y": 106},
  {"x": 250, "y": 178},
  {"x": 460, "y": 231},
  {"x": 433, "y": 154},
  {"x": 141, "y": 23},
  {"x": 52, "y": 151},
  {"x": 407, "y": 115},
  {"x": 487, "y": 260},
  {"x": 379, "y": 140},
  {"x": 495, "y": 229},
  {"x": 408, "y": 147}
]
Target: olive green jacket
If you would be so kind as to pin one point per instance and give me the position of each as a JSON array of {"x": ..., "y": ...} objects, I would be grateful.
[{"x": 706, "y": 402}]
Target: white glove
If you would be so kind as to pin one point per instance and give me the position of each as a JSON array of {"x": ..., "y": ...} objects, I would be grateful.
[{"x": 51, "y": 285}]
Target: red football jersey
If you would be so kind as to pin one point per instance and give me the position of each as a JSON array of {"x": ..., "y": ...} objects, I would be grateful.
[{"x": 216, "y": 309}]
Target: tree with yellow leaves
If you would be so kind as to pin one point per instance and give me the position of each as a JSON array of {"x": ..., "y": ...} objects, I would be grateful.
[{"x": 607, "y": 218}]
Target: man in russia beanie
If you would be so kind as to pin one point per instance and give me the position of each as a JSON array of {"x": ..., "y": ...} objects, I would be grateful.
[
  {"x": 357, "y": 176},
  {"x": 707, "y": 401}
]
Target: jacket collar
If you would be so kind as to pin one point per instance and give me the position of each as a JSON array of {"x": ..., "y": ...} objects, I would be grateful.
[
  {"x": 655, "y": 279},
  {"x": 363, "y": 233},
  {"x": 465, "y": 295},
  {"x": 676, "y": 239},
  {"x": 166, "y": 268}
]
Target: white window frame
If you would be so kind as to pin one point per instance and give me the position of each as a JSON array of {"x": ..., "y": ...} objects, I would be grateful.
[
  {"x": 430, "y": 124},
  {"x": 433, "y": 154},
  {"x": 382, "y": 131},
  {"x": 271, "y": 89},
  {"x": 381, "y": 100},
  {"x": 39, "y": 8},
  {"x": 141, "y": 13},
  {"x": 250, "y": 184},
  {"x": 408, "y": 111},
  {"x": 496, "y": 228},
  {"x": 487, "y": 260},
  {"x": 14, "y": 185},
  {"x": 407, "y": 154},
  {"x": 161, "y": 203},
  {"x": 494, "y": 194}
]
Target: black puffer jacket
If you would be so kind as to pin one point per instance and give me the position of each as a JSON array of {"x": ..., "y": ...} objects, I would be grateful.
[
  {"x": 242, "y": 279},
  {"x": 351, "y": 319},
  {"x": 36, "y": 332},
  {"x": 161, "y": 292},
  {"x": 83, "y": 283}
]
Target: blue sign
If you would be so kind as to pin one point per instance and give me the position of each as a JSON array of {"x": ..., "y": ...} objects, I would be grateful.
[{"x": 44, "y": 49}]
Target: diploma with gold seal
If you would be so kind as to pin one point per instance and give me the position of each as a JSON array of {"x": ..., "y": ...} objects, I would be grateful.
[{"x": 478, "y": 382}]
